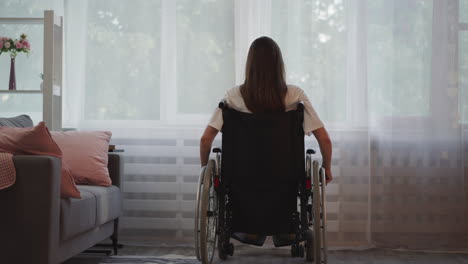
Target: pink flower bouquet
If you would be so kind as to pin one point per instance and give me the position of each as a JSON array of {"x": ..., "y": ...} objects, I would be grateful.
[{"x": 15, "y": 46}]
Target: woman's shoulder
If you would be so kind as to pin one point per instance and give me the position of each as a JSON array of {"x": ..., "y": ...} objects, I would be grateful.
[
  {"x": 234, "y": 98},
  {"x": 294, "y": 88},
  {"x": 233, "y": 91}
]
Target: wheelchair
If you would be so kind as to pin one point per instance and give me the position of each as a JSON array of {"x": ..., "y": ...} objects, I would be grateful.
[{"x": 261, "y": 182}]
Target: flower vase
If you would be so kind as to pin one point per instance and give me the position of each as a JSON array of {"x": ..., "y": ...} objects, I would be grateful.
[{"x": 12, "y": 85}]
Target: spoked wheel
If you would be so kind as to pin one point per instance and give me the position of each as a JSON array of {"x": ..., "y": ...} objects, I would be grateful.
[
  {"x": 324, "y": 215},
  {"x": 316, "y": 214},
  {"x": 197, "y": 213},
  {"x": 207, "y": 216}
]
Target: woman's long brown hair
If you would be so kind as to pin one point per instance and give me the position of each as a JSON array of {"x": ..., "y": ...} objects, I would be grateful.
[{"x": 264, "y": 88}]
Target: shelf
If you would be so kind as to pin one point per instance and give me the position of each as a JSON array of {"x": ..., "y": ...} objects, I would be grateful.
[
  {"x": 21, "y": 91},
  {"x": 52, "y": 67},
  {"x": 21, "y": 20}
]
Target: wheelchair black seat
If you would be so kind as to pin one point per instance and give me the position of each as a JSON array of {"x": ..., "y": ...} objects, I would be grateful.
[{"x": 262, "y": 163}]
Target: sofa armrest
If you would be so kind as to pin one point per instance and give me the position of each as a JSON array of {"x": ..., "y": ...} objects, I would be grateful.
[
  {"x": 30, "y": 211},
  {"x": 116, "y": 168}
]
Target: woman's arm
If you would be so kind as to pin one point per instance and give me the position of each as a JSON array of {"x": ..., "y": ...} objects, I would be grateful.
[
  {"x": 325, "y": 144},
  {"x": 205, "y": 144}
]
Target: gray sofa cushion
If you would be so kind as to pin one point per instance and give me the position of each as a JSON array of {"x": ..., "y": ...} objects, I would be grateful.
[
  {"x": 77, "y": 215},
  {"x": 18, "y": 121},
  {"x": 108, "y": 199}
]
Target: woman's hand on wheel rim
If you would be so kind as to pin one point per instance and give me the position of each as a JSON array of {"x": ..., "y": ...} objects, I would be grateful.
[{"x": 328, "y": 175}]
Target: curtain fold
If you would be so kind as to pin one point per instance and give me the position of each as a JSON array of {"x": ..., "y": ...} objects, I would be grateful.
[
  {"x": 419, "y": 187},
  {"x": 74, "y": 61}
]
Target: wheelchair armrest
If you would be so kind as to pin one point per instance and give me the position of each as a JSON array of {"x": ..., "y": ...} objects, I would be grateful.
[
  {"x": 217, "y": 150},
  {"x": 310, "y": 151}
]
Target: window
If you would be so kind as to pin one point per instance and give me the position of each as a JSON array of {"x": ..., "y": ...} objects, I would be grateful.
[
  {"x": 122, "y": 72},
  {"x": 26, "y": 8},
  {"x": 463, "y": 60},
  {"x": 463, "y": 74},
  {"x": 157, "y": 61},
  {"x": 205, "y": 54},
  {"x": 399, "y": 57},
  {"x": 463, "y": 11},
  {"x": 313, "y": 39}
]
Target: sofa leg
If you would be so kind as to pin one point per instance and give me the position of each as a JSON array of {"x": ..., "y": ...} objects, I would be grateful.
[{"x": 115, "y": 237}]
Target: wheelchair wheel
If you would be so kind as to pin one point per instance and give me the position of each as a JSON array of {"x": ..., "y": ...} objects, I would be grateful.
[
  {"x": 208, "y": 215},
  {"x": 197, "y": 213},
  {"x": 316, "y": 207},
  {"x": 324, "y": 216}
]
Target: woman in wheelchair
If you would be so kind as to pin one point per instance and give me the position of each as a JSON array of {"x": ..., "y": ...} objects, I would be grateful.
[{"x": 261, "y": 142}]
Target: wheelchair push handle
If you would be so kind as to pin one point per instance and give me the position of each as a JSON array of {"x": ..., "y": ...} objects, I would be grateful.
[
  {"x": 222, "y": 104},
  {"x": 310, "y": 151},
  {"x": 300, "y": 106},
  {"x": 217, "y": 150}
]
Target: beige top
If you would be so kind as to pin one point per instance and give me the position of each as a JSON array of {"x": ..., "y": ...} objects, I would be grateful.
[{"x": 294, "y": 95}]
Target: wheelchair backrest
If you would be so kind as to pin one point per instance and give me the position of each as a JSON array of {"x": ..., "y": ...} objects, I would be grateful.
[{"x": 262, "y": 165}]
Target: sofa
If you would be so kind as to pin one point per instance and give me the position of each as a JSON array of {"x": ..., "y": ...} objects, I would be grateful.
[{"x": 38, "y": 226}]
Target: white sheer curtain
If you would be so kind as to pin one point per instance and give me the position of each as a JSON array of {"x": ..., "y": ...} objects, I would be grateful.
[{"x": 386, "y": 76}]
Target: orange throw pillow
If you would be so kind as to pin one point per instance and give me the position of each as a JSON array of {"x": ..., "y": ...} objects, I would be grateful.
[
  {"x": 37, "y": 141},
  {"x": 86, "y": 153}
]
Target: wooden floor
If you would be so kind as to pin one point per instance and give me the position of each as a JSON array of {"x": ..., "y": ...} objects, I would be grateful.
[{"x": 247, "y": 254}]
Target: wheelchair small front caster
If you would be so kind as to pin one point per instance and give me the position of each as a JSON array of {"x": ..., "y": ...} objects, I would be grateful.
[
  {"x": 293, "y": 251},
  {"x": 231, "y": 249},
  {"x": 300, "y": 252},
  {"x": 225, "y": 250},
  {"x": 309, "y": 246},
  {"x": 297, "y": 251},
  {"x": 222, "y": 255}
]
